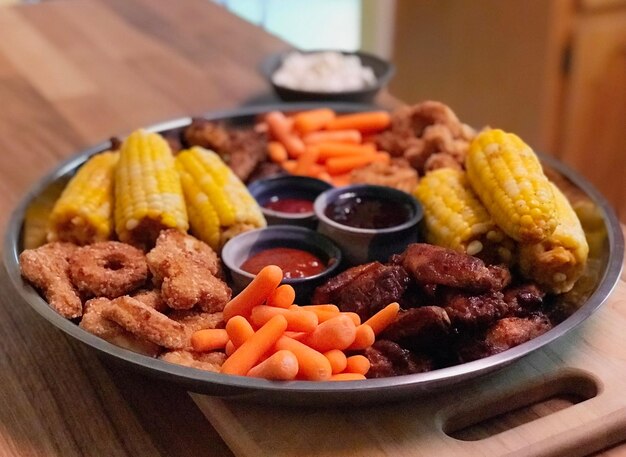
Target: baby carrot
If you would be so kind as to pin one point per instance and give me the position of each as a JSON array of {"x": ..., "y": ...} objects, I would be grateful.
[
  {"x": 364, "y": 122},
  {"x": 289, "y": 165},
  {"x": 298, "y": 336},
  {"x": 322, "y": 315},
  {"x": 209, "y": 339},
  {"x": 347, "y": 377},
  {"x": 330, "y": 150},
  {"x": 336, "y": 333},
  {"x": 279, "y": 128},
  {"x": 229, "y": 348},
  {"x": 312, "y": 364},
  {"x": 316, "y": 119},
  {"x": 364, "y": 338},
  {"x": 297, "y": 320},
  {"x": 239, "y": 330},
  {"x": 354, "y": 316},
  {"x": 357, "y": 364},
  {"x": 276, "y": 152},
  {"x": 341, "y": 180},
  {"x": 339, "y": 165},
  {"x": 324, "y": 176},
  {"x": 250, "y": 352},
  {"x": 255, "y": 293},
  {"x": 337, "y": 359},
  {"x": 383, "y": 318},
  {"x": 333, "y": 308},
  {"x": 280, "y": 366},
  {"x": 334, "y": 136},
  {"x": 305, "y": 160},
  {"x": 282, "y": 297}
]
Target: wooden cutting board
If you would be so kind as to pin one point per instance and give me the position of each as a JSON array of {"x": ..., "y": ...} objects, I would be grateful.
[{"x": 588, "y": 364}]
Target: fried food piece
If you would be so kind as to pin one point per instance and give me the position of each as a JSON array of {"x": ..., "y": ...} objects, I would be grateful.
[
  {"x": 364, "y": 289},
  {"x": 390, "y": 359},
  {"x": 505, "y": 334},
  {"x": 194, "y": 320},
  {"x": 48, "y": 269},
  {"x": 185, "y": 267},
  {"x": 145, "y": 322},
  {"x": 419, "y": 328},
  {"x": 108, "y": 269},
  {"x": 397, "y": 174},
  {"x": 210, "y": 361},
  {"x": 430, "y": 264},
  {"x": 441, "y": 160},
  {"x": 477, "y": 311},
  {"x": 94, "y": 323},
  {"x": 207, "y": 134},
  {"x": 152, "y": 298}
]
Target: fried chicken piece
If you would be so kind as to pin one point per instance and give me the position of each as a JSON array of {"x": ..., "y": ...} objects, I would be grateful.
[
  {"x": 505, "y": 334},
  {"x": 397, "y": 174},
  {"x": 364, "y": 289},
  {"x": 152, "y": 298},
  {"x": 389, "y": 359},
  {"x": 194, "y": 320},
  {"x": 96, "y": 324},
  {"x": 441, "y": 160},
  {"x": 477, "y": 311},
  {"x": 210, "y": 361},
  {"x": 419, "y": 328},
  {"x": 265, "y": 170},
  {"x": 430, "y": 264},
  {"x": 48, "y": 269},
  {"x": 185, "y": 267},
  {"x": 146, "y": 322},
  {"x": 207, "y": 134}
]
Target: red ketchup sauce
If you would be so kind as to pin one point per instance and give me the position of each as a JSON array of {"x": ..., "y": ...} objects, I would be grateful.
[
  {"x": 367, "y": 212},
  {"x": 295, "y": 263},
  {"x": 289, "y": 205}
]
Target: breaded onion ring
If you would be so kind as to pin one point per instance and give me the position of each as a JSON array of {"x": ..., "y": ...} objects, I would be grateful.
[{"x": 108, "y": 269}]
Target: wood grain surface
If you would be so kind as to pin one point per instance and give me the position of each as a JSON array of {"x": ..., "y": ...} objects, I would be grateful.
[{"x": 73, "y": 73}]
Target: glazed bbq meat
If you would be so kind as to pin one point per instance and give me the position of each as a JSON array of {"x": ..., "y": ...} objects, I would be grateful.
[
  {"x": 430, "y": 264},
  {"x": 505, "y": 334},
  {"x": 419, "y": 328},
  {"x": 525, "y": 298},
  {"x": 477, "y": 311},
  {"x": 242, "y": 150},
  {"x": 389, "y": 359},
  {"x": 364, "y": 289}
]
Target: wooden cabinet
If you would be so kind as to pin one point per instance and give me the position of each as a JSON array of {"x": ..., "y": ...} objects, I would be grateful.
[{"x": 553, "y": 71}]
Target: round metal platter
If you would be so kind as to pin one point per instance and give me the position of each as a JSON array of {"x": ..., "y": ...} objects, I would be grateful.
[{"x": 598, "y": 284}]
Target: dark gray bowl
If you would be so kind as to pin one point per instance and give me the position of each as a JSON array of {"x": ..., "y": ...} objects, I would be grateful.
[
  {"x": 288, "y": 187},
  {"x": 237, "y": 250},
  {"x": 383, "y": 70},
  {"x": 600, "y": 284},
  {"x": 361, "y": 245}
]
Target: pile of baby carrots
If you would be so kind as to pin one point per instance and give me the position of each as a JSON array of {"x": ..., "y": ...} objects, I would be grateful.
[
  {"x": 268, "y": 336},
  {"x": 322, "y": 144}
]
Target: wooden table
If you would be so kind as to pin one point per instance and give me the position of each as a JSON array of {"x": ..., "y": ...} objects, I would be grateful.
[{"x": 71, "y": 74}]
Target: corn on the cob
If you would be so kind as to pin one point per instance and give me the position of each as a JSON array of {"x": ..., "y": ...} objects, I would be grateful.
[
  {"x": 83, "y": 213},
  {"x": 559, "y": 260},
  {"x": 455, "y": 218},
  {"x": 508, "y": 178},
  {"x": 218, "y": 203},
  {"x": 148, "y": 192}
]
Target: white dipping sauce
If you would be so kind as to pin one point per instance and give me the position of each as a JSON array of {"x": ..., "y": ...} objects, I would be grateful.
[{"x": 323, "y": 72}]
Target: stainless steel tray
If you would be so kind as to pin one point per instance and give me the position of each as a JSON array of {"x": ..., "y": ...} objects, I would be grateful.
[{"x": 606, "y": 262}]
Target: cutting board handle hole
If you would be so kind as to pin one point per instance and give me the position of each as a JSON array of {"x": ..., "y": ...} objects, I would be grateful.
[{"x": 525, "y": 404}]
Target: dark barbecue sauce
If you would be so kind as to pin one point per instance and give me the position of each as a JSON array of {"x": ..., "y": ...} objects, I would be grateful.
[
  {"x": 367, "y": 212},
  {"x": 289, "y": 205},
  {"x": 295, "y": 263}
]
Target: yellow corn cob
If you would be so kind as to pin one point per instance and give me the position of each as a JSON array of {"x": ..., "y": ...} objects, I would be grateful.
[
  {"x": 148, "y": 193},
  {"x": 456, "y": 219},
  {"x": 83, "y": 213},
  {"x": 559, "y": 260},
  {"x": 508, "y": 178},
  {"x": 218, "y": 203}
]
